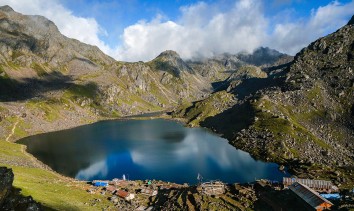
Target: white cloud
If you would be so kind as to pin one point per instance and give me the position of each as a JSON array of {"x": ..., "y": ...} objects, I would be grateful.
[
  {"x": 202, "y": 29},
  {"x": 223, "y": 155},
  {"x": 291, "y": 37},
  {"x": 86, "y": 30},
  {"x": 98, "y": 169}
]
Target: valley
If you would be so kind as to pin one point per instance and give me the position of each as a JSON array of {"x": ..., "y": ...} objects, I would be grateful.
[{"x": 294, "y": 111}]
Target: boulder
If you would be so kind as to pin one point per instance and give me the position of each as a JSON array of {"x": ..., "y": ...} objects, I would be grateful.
[
  {"x": 11, "y": 199},
  {"x": 6, "y": 179}
]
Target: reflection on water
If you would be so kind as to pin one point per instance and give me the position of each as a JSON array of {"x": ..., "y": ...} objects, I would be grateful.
[
  {"x": 146, "y": 149},
  {"x": 99, "y": 169}
]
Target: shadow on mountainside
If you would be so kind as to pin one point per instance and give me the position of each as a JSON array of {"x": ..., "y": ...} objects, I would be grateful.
[
  {"x": 242, "y": 114},
  {"x": 28, "y": 88},
  {"x": 277, "y": 67},
  {"x": 17, "y": 201},
  {"x": 231, "y": 121},
  {"x": 251, "y": 85},
  {"x": 219, "y": 85}
]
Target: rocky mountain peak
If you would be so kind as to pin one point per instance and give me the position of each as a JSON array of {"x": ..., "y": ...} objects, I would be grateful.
[
  {"x": 302, "y": 112},
  {"x": 171, "y": 62},
  {"x": 6, "y": 8},
  {"x": 262, "y": 56},
  {"x": 266, "y": 50},
  {"x": 29, "y": 39},
  {"x": 35, "y": 26},
  {"x": 169, "y": 54}
]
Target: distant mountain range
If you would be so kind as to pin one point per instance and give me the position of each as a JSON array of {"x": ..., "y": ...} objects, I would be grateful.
[
  {"x": 294, "y": 111},
  {"x": 75, "y": 82}
]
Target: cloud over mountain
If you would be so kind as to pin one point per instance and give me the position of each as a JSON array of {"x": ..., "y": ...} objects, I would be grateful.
[
  {"x": 291, "y": 37},
  {"x": 202, "y": 29},
  {"x": 86, "y": 30},
  {"x": 205, "y": 30}
]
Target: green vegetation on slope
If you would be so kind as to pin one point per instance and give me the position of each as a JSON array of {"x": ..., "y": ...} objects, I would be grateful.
[
  {"x": 40, "y": 70},
  {"x": 53, "y": 191},
  {"x": 197, "y": 112},
  {"x": 283, "y": 123},
  {"x": 89, "y": 90},
  {"x": 50, "y": 107}
]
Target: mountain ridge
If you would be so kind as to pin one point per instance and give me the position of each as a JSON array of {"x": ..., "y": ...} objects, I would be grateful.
[
  {"x": 53, "y": 78},
  {"x": 298, "y": 113},
  {"x": 301, "y": 115}
]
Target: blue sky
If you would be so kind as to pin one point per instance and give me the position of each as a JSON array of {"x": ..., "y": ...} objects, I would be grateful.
[
  {"x": 134, "y": 30},
  {"x": 115, "y": 15}
]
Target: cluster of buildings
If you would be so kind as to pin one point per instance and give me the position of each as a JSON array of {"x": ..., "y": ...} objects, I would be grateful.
[
  {"x": 128, "y": 190},
  {"x": 118, "y": 187},
  {"x": 292, "y": 192}
]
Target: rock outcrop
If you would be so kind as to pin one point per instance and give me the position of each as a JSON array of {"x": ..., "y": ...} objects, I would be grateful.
[
  {"x": 263, "y": 56},
  {"x": 10, "y": 199},
  {"x": 170, "y": 61},
  {"x": 7, "y": 178}
]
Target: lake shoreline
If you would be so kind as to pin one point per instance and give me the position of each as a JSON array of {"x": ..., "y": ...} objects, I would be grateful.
[
  {"x": 162, "y": 118},
  {"x": 81, "y": 183},
  {"x": 44, "y": 166},
  {"x": 292, "y": 168}
]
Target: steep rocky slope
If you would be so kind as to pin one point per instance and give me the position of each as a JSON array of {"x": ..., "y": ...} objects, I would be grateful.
[
  {"x": 300, "y": 115},
  {"x": 219, "y": 67},
  {"x": 263, "y": 56},
  {"x": 50, "y": 82}
]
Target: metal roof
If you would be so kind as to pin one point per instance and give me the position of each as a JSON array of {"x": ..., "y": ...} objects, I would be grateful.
[
  {"x": 308, "y": 195},
  {"x": 308, "y": 182}
]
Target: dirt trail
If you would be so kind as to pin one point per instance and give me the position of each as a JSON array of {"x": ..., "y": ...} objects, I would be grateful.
[{"x": 12, "y": 131}]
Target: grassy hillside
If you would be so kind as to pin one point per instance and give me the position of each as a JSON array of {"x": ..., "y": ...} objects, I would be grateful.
[{"x": 52, "y": 190}]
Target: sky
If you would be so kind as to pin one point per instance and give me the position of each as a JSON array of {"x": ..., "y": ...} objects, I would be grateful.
[{"x": 139, "y": 30}]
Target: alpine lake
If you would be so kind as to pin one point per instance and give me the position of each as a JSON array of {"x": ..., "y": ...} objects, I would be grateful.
[{"x": 147, "y": 149}]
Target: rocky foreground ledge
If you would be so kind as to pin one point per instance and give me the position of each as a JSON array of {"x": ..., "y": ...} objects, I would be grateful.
[{"x": 10, "y": 197}]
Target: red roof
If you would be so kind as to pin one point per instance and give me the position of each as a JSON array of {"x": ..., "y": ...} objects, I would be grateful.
[
  {"x": 122, "y": 193},
  {"x": 111, "y": 188}
]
